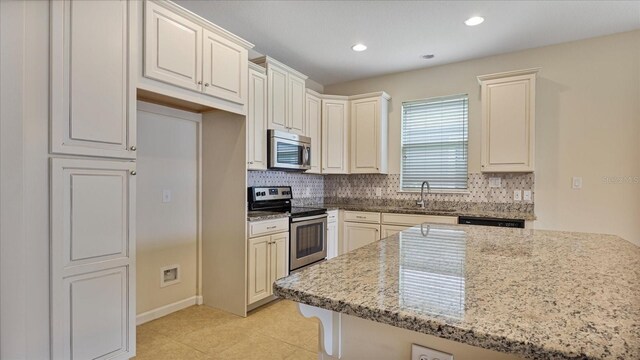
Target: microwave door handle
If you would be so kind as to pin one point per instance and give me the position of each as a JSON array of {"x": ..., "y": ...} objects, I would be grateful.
[{"x": 306, "y": 159}]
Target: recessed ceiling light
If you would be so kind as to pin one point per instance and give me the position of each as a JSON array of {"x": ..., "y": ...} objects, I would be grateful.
[
  {"x": 428, "y": 56},
  {"x": 473, "y": 21},
  {"x": 359, "y": 47}
]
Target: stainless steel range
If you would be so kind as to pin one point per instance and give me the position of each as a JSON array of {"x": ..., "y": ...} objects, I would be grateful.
[{"x": 307, "y": 225}]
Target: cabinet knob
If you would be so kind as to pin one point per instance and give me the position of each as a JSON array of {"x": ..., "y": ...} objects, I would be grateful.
[
  {"x": 133, "y": 172},
  {"x": 199, "y": 82},
  {"x": 133, "y": 148},
  {"x": 206, "y": 84}
]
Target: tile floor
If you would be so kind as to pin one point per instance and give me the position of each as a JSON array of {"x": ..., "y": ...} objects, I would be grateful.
[{"x": 274, "y": 331}]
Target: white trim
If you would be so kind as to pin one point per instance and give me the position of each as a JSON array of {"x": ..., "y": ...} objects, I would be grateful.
[
  {"x": 382, "y": 94},
  {"x": 486, "y": 77},
  {"x": 199, "y": 300},
  {"x": 166, "y": 309},
  {"x": 168, "y": 111}
]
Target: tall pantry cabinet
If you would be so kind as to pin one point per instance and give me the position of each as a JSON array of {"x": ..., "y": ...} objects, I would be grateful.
[{"x": 92, "y": 198}]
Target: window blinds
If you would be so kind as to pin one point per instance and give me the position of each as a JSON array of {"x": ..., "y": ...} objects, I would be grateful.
[{"x": 434, "y": 143}]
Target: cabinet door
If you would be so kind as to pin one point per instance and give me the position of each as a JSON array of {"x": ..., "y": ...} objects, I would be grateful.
[
  {"x": 508, "y": 107},
  {"x": 295, "y": 104},
  {"x": 277, "y": 98},
  {"x": 92, "y": 101},
  {"x": 172, "y": 47},
  {"x": 335, "y": 137},
  {"x": 259, "y": 276},
  {"x": 332, "y": 239},
  {"x": 357, "y": 235},
  {"x": 257, "y": 122},
  {"x": 92, "y": 259},
  {"x": 365, "y": 136},
  {"x": 279, "y": 261},
  {"x": 313, "y": 110},
  {"x": 390, "y": 230},
  {"x": 224, "y": 72}
]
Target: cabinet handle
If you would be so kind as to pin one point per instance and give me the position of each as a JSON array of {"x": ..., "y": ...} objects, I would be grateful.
[
  {"x": 250, "y": 162},
  {"x": 133, "y": 148},
  {"x": 133, "y": 172},
  {"x": 271, "y": 227}
]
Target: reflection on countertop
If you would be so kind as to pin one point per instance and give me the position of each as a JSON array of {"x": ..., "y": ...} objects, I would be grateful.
[{"x": 539, "y": 294}]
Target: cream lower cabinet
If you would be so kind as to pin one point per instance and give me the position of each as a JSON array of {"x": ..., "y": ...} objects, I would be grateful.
[
  {"x": 92, "y": 96},
  {"x": 357, "y": 235},
  {"x": 267, "y": 262},
  {"x": 390, "y": 230},
  {"x": 369, "y": 133},
  {"x": 335, "y": 135},
  {"x": 508, "y": 121},
  {"x": 257, "y": 119},
  {"x": 92, "y": 259},
  {"x": 332, "y": 234}
]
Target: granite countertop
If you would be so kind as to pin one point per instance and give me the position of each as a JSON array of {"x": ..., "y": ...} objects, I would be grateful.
[
  {"x": 444, "y": 211},
  {"x": 538, "y": 294},
  {"x": 265, "y": 215}
]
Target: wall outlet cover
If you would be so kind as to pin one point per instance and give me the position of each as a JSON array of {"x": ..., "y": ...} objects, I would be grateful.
[
  {"x": 424, "y": 353},
  {"x": 170, "y": 275},
  {"x": 576, "y": 182},
  {"x": 517, "y": 195},
  {"x": 379, "y": 192},
  {"x": 527, "y": 195},
  {"x": 166, "y": 196},
  {"x": 495, "y": 182}
]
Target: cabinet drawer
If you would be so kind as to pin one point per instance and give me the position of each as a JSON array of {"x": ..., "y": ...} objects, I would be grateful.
[
  {"x": 411, "y": 220},
  {"x": 361, "y": 216},
  {"x": 259, "y": 228},
  {"x": 332, "y": 216}
]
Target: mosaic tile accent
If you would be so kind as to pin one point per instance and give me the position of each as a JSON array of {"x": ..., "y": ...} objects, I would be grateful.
[
  {"x": 363, "y": 186},
  {"x": 304, "y": 186}
]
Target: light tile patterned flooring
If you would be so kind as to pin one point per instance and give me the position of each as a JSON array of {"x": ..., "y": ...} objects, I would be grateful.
[{"x": 274, "y": 331}]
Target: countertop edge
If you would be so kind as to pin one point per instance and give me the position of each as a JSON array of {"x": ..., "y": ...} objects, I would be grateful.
[{"x": 429, "y": 327}]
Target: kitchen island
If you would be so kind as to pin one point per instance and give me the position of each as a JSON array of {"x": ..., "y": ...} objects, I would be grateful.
[{"x": 478, "y": 293}]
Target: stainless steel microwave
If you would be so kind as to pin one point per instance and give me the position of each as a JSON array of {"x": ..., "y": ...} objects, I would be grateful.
[{"x": 288, "y": 151}]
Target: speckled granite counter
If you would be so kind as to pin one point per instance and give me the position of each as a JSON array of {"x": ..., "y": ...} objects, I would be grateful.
[
  {"x": 538, "y": 294},
  {"x": 265, "y": 215},
  {"x": 506, "y": 214}
]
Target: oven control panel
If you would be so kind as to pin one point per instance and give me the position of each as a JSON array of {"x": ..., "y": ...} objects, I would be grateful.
[{"x": 259, "y": 193}]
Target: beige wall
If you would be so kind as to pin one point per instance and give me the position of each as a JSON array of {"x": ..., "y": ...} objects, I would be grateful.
[
  {"x": 166, "y": 232},
  {"x": 587, "y": 124}
]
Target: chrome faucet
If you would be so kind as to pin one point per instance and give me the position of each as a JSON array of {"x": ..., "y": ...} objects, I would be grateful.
[{"x": 421, "y": 202}]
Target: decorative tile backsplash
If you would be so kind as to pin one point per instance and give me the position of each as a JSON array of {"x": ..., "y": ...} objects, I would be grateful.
[
  {"x": 312, "y": 188},
  {"x": 363, "y": 186}
]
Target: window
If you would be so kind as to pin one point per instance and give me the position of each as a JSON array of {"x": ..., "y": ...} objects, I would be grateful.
[{"x": 434, "y": 143}]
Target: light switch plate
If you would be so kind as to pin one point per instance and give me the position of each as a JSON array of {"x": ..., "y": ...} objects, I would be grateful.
[
  {"x": 379, "y": 192},
  {"x": 527, "y": 195},
  {"x": 166, "y": 196},
  {"x": 495, "y": 182},
  {"x": 517, "y": 195},
  {"x": 576, "y": 182},
  {"x": 424, "y": 353}
]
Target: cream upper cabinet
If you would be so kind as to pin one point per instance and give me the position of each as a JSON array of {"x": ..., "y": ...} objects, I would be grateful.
[
  {"x": 92, "y": 98},
  {"x": 357, "y": 235},
  {"x": 313, "y": 125},
  {"x": 369, "y": 134},
  {"x": 173, "y": 47},
  {"x": 335, "y": 135},
  {"x": 92, "y": 259},
  {"x": 296, "y": 100},
  {"x": 286, "y": 96},
  {"x": 267, "y": 260},
  {"x": 186, "y": 51},
  {"x": 508, "y": 121},
  {"x": 257, "y": 120},
  {"x": 224, "y": 68}
]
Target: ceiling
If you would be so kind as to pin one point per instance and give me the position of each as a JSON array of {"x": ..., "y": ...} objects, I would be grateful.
[{"x": 315, "y": 37}]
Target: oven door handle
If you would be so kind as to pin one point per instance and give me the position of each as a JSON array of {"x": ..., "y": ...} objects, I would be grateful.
[{"x": 308, "y": 218}]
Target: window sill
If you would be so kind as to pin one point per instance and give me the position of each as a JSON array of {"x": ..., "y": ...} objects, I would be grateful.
[{"x": 441, "y": 191}]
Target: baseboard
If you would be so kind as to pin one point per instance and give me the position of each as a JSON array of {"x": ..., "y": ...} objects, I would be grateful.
[
  {"x": 167, "y": 309},
  {"x": 199, "y": 300}
]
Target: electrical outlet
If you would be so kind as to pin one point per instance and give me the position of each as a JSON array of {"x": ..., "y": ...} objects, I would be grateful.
[
  {"x": 379, "y": 192},
  {"x": 166, "y": 196},
  {"x": 495, "y": 182},
  {"x": 517, "y": 195},
  {"x": 527, "y": 195},
  {"x": 424, "y": 353},
  {"x": 576, "y": 183}
]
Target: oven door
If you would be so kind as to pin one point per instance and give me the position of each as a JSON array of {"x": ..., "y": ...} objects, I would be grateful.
[
  {"x": 289, "y": 154},
  {"x": 308, "y": 240}
]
